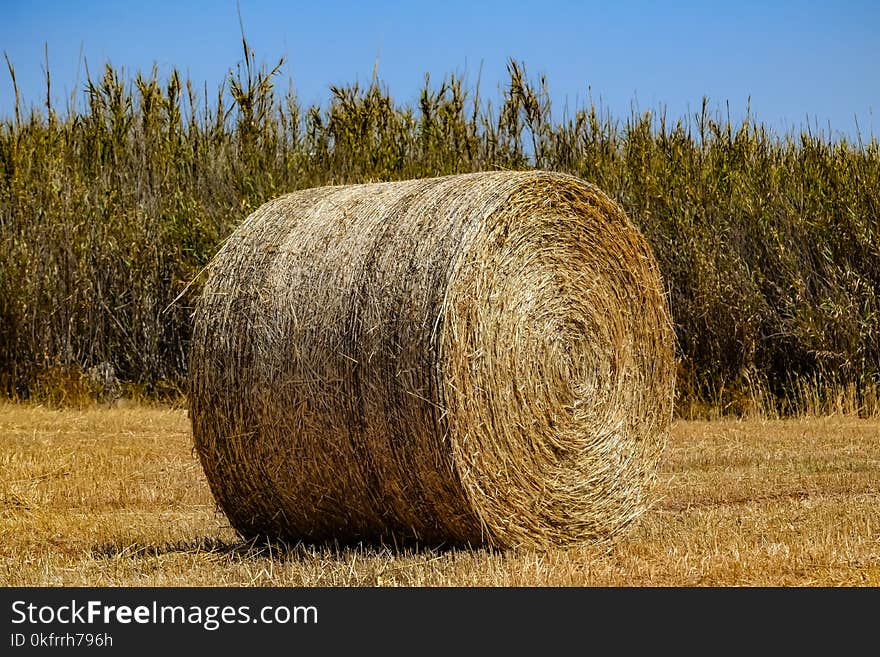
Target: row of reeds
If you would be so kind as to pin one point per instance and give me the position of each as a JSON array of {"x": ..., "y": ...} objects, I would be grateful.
[{"x": 768, "y": 243}]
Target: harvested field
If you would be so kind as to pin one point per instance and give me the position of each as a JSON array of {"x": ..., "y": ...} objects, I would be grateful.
[{"x": 117, "y": 497}]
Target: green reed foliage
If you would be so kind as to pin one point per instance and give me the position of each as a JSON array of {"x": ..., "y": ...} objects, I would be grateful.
[{"x": 768, "y": 244}]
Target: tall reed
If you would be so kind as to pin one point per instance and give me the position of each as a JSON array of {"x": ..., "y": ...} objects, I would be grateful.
[{"x": 768, "y": 243}]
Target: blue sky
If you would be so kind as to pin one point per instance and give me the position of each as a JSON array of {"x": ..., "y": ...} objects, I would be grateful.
[{"x": 793, "y": 59}]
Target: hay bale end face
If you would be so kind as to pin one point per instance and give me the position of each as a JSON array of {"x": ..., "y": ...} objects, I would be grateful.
[{"x": 483, "y": 359}]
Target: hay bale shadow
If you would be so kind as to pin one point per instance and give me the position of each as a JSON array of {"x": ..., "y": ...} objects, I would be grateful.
[{"x": 263, "y": 548}]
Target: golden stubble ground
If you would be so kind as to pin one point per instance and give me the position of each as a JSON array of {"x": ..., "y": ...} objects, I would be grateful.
[{"x": 116, "y": 497}]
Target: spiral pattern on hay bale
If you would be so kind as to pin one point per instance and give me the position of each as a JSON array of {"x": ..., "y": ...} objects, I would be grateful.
[{"x": 482, "y": 359}]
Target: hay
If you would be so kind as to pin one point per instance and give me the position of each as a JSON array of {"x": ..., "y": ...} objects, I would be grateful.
[{"x": 483, "y": 359}]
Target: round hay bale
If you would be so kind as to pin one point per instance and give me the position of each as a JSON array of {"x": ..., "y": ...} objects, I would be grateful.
[{"x": 482, "y": 359}]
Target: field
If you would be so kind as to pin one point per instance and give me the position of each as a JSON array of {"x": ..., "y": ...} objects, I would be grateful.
[{"x": 115, "y": 496}]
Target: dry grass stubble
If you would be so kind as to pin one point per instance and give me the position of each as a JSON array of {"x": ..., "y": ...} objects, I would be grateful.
[{"x": 117, "y": 497}]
